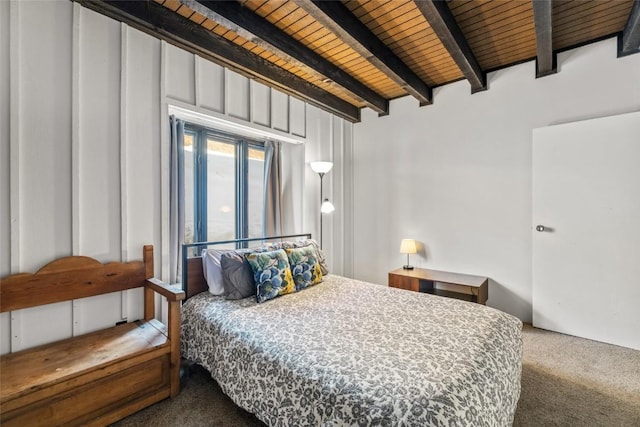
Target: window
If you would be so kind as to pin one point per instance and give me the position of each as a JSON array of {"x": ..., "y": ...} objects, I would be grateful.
[{"x": 224, "y": 185}]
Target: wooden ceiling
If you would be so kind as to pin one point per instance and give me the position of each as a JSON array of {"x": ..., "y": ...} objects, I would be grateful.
[{"x": 346, "y": 55}]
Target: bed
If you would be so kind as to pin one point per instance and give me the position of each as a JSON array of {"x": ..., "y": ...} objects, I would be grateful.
[{"x": 347, "y": 352}]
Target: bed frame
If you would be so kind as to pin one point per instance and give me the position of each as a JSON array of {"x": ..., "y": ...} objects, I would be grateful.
[{"x": 193, "y": 281}]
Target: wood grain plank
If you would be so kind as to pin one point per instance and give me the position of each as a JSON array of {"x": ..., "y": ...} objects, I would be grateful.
[
  {"x": 469, "y": 6},
  {"x": 265, "y": 7},
  {"x": 288, "y": 23},
  {"x": 332, "y": 46},
  {"x": 172, "y": 4},
  {"x": 511, "y": 57},
  {"x": 195, "y": 277},
  {"x": 185, "y": 11},
  {"x": 162, "y": 23},
  {"x": 443, "y": 23},
  {"x": 414, "y": 25},
  {"x": 246, "y": 23},
  {"x": 591, "y": 17},
  {"x": 488, "y": 33},
  {"x": 44, "y": 366},
  {"x": 93, "y": 399},
  {"x": 55, "y": 284},
  {"x": 198, "y": 18},
  {"x": 611, "y": 24},
  {"x": 389, "y": 11},
  {"x": 496, "y": 38},
  {"x": 282, "y": 12},
  {"x": 397, "y": 16},
  {"x": 510, "y": 41},
  {"x": 495, "y": 21},
  {"x": 174, "y": 333},
  {"x": 492, "y": 12}
]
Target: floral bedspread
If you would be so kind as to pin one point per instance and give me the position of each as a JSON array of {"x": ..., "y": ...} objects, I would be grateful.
[{"x": 346, "y": 352}]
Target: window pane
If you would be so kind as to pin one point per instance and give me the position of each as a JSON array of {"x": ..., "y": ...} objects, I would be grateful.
[
  {"x": 189, "y": 200},
  {"x": 221, "y": 190},
  {"x": 256, "y": 191}
]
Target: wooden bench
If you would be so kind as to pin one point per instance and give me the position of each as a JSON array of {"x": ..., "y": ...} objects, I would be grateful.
[{"x": 100, "y": 377}]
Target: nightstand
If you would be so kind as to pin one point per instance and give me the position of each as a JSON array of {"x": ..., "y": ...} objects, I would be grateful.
[{"x": 460, "y": 286}]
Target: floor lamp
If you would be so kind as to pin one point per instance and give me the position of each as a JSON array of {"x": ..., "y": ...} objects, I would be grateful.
[{"x": 326, "y": 206}]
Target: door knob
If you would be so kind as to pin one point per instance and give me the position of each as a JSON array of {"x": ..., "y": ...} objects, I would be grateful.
[{"x": 540, "y": 228}]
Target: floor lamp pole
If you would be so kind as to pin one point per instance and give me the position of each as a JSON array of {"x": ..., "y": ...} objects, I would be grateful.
[{"x": 321, "y": 176}]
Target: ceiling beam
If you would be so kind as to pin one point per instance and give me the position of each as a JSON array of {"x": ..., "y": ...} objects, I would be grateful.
[
  {"x": 247, "y": 24},
  {"x": 446, "y": 28},
  {"x": 167, "y": 25},
  {"x": 629, "y": 40},
  {"x": 338, "y": 19},
  {"x": 545, "y": 58}
]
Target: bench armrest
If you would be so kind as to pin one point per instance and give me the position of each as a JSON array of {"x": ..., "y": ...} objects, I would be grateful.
[
  {"x": 170, "y": 293},
  {"x": 173, "y": 297}
]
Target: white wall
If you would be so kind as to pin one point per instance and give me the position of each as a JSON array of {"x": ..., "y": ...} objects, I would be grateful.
[
  {"x": 84, "y": 154},
  {"x": 456, "y": 175}
]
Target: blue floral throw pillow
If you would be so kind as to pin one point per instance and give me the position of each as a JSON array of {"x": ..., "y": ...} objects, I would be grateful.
[
  {"x": 305, "y": 267},
  {"x": 272, "y": 274}
]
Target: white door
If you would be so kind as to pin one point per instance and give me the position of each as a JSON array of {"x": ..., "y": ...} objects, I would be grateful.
[{"x": 586, "y": 260}]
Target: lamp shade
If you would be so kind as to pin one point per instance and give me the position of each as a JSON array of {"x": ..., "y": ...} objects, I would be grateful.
[
  {"x": 327, "y": 206},
  {"x": 408, "y": 246},
  {"x": 321, "y": 167}
]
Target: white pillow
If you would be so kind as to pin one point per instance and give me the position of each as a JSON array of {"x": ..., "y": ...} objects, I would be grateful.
[{"x": 212, "y": 270}]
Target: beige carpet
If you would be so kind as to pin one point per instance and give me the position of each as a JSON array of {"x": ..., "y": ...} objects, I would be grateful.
[
  {"x": 570, "y": 381},
  {"x": 566, "y": 381}
]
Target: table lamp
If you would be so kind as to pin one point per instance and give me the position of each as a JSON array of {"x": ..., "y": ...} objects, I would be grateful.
[{"x": 408, "y": 246}]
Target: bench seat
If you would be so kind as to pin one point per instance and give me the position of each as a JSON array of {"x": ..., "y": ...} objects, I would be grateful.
[{"x": 92, "y": 379}]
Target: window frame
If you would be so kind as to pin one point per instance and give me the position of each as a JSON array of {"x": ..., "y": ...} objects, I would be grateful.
[{"x": 242, "y": 144}]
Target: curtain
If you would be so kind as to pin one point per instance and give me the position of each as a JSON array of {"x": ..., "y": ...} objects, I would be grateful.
[
  {"x": 272, "y": 214},
  {"x": 176, "y": 199}
]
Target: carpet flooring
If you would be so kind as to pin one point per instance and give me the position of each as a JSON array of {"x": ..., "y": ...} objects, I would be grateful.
[
  {"x": 566, "y": 381},
  {"x": 570, "y": 381}
]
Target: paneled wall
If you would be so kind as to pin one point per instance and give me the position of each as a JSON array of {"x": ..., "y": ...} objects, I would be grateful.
[
  {"x": 330, "y": 138},
  {"x": 219, "y": 92},
  {"x": 84, "y": 154},
  {"x": 5, "y": 171}
]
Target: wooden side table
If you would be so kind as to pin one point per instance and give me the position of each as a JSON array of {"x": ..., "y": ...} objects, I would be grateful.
[{"x": 461, "y": 286}]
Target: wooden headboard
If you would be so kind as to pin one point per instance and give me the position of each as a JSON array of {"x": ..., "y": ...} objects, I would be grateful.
[{"x": 193, "y": 281}]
